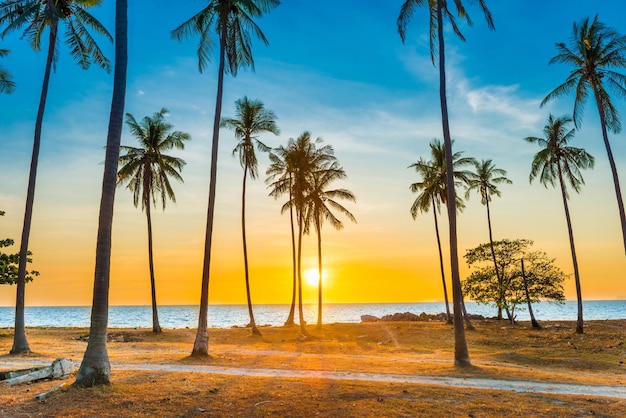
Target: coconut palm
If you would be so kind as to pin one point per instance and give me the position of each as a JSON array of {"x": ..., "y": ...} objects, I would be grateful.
[
  {"x": 95, "y": 369},
  {"x": 231, "y": 21},
  {"x": 437, "y": 11},
  {"x": 594, "y": 51},
  {"x": 485, "y": 181},
  {"x": 7, "y": 85},
  {"x": 320, "y": 205},
  {"x": 558, "y": 161},
  {"x": 434, "y": 192},
  {"x": 252, "y": 119},
  {"x": 36, "y": 16},
  {"x": 280, "y": 180},
  {"x": 147, "y": 169}
]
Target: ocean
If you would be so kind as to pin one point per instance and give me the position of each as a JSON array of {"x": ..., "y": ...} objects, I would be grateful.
[{"x": 226, "y": 316}]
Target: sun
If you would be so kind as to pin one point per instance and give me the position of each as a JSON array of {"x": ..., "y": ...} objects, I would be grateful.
[{"x": 311, "y": 276}]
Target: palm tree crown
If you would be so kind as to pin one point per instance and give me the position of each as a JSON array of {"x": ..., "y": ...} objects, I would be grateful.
[
  {"x": 595, "y": 50},
  {"x": 37, "y": 15},
  {"x": 146, "y": 169},
  {"x": 233, "y": 21},
  {"x": 557, "y": 157},
  {"x": 486, "y": 180}
]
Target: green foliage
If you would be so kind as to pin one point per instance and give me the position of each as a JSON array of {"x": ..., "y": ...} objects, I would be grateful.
[
  {"x": 545, "y": 280},
  {"x": 9, "y": 263},
  {"x": 7, "y": 85}
]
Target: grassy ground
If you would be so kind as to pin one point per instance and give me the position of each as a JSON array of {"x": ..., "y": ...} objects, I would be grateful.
[{"x": 498, "y": 351}]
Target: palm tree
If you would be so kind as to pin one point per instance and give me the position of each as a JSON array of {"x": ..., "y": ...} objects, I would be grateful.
[
  {"x": 280, "y": 180},
  {"x": 437, "y": 9},
  {"x": 232, "y": 21},
  {"x": 95, "y": 369},
  {"x": 594, "y": 51},
  {"x": 252, "y": 119},
  {"x": 485, "y": 181},
  {"x": 7, "y": 85},
  {"x": 320, "y": 205},
  {"x": 146, "y": 170},
  {"x": 557, "y": 160},
  {"x": 434, "y": 192},
  {"x": 36, "y": 16}
]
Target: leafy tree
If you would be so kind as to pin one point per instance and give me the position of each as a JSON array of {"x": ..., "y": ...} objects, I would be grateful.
[
  {"x": 433, "y": 191},
  {"x": 280, "y": 176},
  {"x": 595, "y": 51},
  {"x": 36, "y": 16},
  {"x": 557, "y": 160},
  {"x": 95, "y": 368},
  {"x": 252, "y": 119},
  {"x": 7, "y": 85},
  {"x": 231, "y": 21},
  {"x": 9, "y": 263},
  {"x": 544, "y": 279},
  {"x": 437, "y": 11},
  {"x": 485, "y": 181},
  {"x": 147, "y": 169},
  {"x": 321, "y": 203}
]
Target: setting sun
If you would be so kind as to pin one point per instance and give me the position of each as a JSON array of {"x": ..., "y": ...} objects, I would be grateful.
[{"x": 311, "y": 276}]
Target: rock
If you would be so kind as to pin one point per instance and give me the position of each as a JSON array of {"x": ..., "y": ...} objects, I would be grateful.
[{"x": 369, "y": 318}]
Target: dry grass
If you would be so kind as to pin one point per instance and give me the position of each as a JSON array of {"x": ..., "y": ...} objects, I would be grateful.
[{"x": 498, "y": 350}]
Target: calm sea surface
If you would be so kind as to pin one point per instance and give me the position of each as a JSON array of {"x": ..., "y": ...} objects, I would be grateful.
[{"x": 225, "y": 316}]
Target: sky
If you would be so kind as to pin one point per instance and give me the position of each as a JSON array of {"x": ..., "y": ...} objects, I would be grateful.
[{"x": 339, "y": 70}]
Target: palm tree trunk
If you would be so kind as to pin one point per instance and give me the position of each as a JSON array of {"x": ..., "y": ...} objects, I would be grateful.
[
  {"x": 533, "y": 321},
  {"x": 290, "y": 319},
  {"x": 20, "y": 343},
  {"x": 201, "y": 344},
  {"x": 255, "y": 330},
  {"x": 607, "y": 145},
  {"x": 156, "y": 327},
  {"x": 95, "y": 368},
  {"x": 579, "y": 297},
  {"x": 495, "y": 262},
  {"x": 318, "y": 228},
  {"x": 303, "y": 330},
  {"x": 461, "y": 353},
  {"x": 443, "y": 275}
]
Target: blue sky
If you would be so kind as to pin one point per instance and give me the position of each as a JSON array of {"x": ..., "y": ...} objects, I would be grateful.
[{"x": 339, "y": 70}]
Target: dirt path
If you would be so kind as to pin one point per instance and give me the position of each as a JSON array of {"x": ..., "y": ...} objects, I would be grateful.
[{"x": 473, "y": 383}]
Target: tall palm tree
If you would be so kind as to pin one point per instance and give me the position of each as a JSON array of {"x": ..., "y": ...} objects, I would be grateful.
[
  {"x": 231, "y": 21},
  {"x": 36, "y": 16},
  {"x": 321, "y": 203},
  {"x": 437, "y": 10},
  {"x": 146, "y": 169},
  {"x": 95, "y": 369},
  {"x": 252, "y": 119},
  {"x": 279, "y": 178},
  {"x": 485, "y": 181},
  {"x": 7, "y": 85},
  {"x": 434, "y": 192},
  {"x": 594, "y": 51},
  {"x": 557, "y": 160}
]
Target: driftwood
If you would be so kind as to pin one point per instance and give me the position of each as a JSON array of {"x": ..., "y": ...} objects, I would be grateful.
[
  {"x": 59, "y": 369},
  {"x": 42, "y": 396}
]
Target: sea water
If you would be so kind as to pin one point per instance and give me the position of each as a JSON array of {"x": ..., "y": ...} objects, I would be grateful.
[{"x": 226, "y": 316}]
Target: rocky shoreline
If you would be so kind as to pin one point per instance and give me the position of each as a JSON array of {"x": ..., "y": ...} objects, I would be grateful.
[{"x": 411, "y": 317}]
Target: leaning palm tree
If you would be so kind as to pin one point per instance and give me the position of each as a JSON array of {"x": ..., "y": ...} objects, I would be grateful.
[
  {"x": 95, "y": 369},
  {"x": 36, "y": 16},
  {"x": 279, "y": 178},
  {"x": 252, "y": 119},
  {"x": 437, "y": 10},
  {"x": 231, "y": 21},
  {"x": 485, "y": 181},
  {"x": 557, "y": 160},
  {"x": 594, "y": 51},
  {"x": 147, "y": 169},
  {"x": 7, "y": 85},
  {"x": 320, "y": 205}
]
